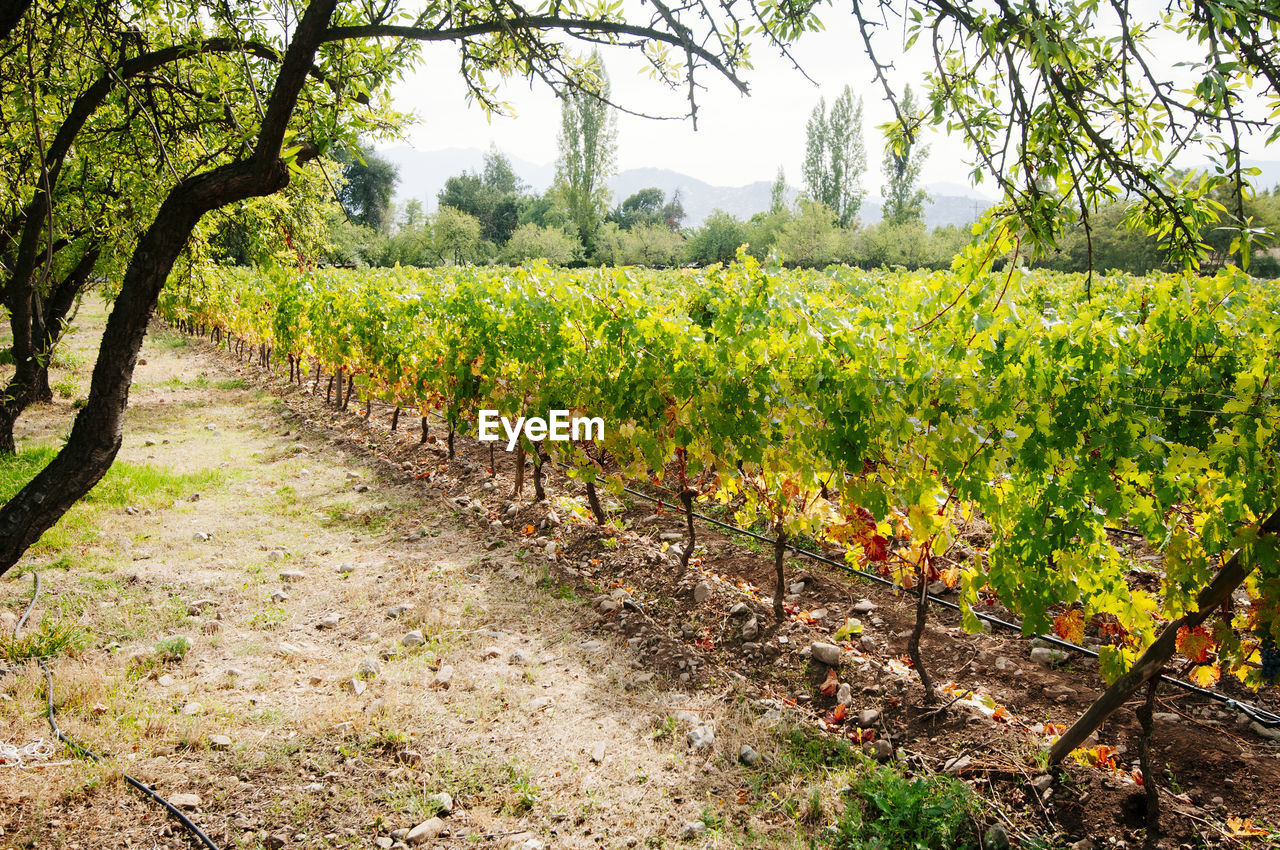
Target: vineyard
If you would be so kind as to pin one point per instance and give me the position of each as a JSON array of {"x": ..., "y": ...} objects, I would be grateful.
[{"x": 866, "y": 415}]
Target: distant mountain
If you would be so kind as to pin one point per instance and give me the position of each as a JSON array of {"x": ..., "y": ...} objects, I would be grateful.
[{"x": 423, "y": 175}]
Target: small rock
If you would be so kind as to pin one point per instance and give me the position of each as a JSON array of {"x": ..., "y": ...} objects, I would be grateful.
[
  {"x": 996, "y": 838},
  {"x": 329, "y": 621},
  {"x": 192, "y": 709},
  {"x": 200, "y": 537},
  {"x": 361, "y": 488},
  {"x": 541, "y": 704},
  {"x": 880, "y": 750},
  {"x": 532, "y": 844},
  {"x": 356, "y": 686},
  {"x": 868, "y": 643},
  {"x": 369, "y": 638},
  {"x": 826, "y": 653},
  {"x": 1166, "y": 717},
  {"x": 553, "y": 519},
  {"x": 957, "y": 764},
  {"x": 190, "y": 802},
  {"x": 1083, "y": 844},
  {"x": 384, "y": 842},
  {"x": 279, "y": 596},
  {"x": 701, "y": 737},
  {"x": 1047, "y": 657},
  {"x": 1269, "y": 734},
  {"x": 275, "y": 842},
  {"x": 750, "y": 629},
  {"x": 425, "y": 831},
  {"x": 864, "y": 606},
  {"x": 1042, "y": 783},
  {"x": 395, "y": 612},
  {"x": 701, "y": 592},
  {"x": 369, "y": 666},
  {"x": 693, "y": 829},
  {"x": 491, "y": 652},
  {"x": 740, "y": 610},
  {"x": 443, "y": 677},
  {"x": 748, "y": 756},
  {"x": 796, "y": 587},
  {"x": 867, "y": 718},
  {"x": 670, "y": 537},
  {"x": 844, "y": 694},
  {"x": 413, "y": 638},
  {"x": 292, "y": 575},
  {"x": 165, "y": 681},
  {"x": 219, "y": 742},
  {"x": 518, "y": 658},
  {"x": 597, "y": 752},
  {"x": 442, "y": 801}
]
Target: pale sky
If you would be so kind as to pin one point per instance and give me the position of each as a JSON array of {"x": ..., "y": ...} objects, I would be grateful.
[{"x": 740, "y": 139}]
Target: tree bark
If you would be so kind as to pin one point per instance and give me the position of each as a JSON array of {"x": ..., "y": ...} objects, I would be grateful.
[
  {"x": 1152, "y": 661},
  {"x": 96, "y": 434},
  {"x": 593, "y": 499}
]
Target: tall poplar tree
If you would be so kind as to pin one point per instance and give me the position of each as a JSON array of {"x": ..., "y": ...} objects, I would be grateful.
[
  {"x": 588, "y": 147},
  {"x": 904, "y": 157},
  {"x": 835, "y": 156}
]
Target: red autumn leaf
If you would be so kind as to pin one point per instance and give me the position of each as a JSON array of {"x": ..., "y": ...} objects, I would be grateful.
[
  {"x": 1195, "y": 644},
  {"x": 840, "y": 712},
  {"x": 1070, "y": 625},
  {"x": 831, "y": 685}
]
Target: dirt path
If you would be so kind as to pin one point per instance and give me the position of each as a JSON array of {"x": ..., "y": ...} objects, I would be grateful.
[{"x": 290, "y": 567}]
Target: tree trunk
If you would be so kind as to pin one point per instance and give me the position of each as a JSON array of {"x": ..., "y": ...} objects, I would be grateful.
[
  {"x": 913, "y": 642},
  {"x": 423, "y": 438},
  {"x": 1152, "y": 661},
  {"x": 97, "y": 431},
  {"x": 539, "y": 494},
  {"x": 395, "y": 418},
  {"x": 1149, "y": 787},
  {"x": 328, "y": 393},
  {"x": 780, "y": 587},
  {"x": 686, "y": 498},
  {"x": 451, "y": 429},
  {"x": 351, "y": 388}
]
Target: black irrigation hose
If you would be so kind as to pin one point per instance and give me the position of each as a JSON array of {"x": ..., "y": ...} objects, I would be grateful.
[{"x": 64, "y": 738}]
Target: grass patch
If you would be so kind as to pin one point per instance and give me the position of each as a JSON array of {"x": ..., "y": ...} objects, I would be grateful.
[
  {"x": 125, "y": 484},
  {"x": 49, "y": 639},
  {"x": 885, "y": 808}
]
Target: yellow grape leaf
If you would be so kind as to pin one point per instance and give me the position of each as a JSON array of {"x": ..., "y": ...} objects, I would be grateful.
[
  {"x": 1070, "y": 625},
  {"x": 1244, "y": 828},
  {"x": 851, "y": 627},
  {"x": 1205, "y": 675}
]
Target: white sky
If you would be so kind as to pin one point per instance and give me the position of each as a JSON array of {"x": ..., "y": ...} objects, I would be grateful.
[{"x": 740, "y": 139}]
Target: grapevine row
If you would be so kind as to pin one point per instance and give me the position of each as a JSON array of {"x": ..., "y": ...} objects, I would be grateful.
[{"x": 871, "y": 411}]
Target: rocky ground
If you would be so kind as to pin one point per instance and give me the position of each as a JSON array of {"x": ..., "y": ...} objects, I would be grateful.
[{"x": 308, "y": 630}]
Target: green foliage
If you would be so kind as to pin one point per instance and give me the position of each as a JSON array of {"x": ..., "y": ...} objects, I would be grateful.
[
  {"x": 717, "y": 241},
  {"x": 533, "y": 242},
  {"x": 810, "y": 238},
  {"x": 368, "y": 183},
  {"x": 494, "y": 197},
  {"x": 653, "y": 245},
  {"x": 885, "y": 810}
]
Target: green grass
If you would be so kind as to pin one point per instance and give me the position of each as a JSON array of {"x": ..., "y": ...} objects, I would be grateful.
[
  {"x": 49, "y": 639},
  {"x": 886, "y": 809},
  {"x": 125, "y": 484}
]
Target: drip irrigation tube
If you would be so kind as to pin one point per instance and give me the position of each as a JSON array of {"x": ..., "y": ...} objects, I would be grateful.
[{"x": 66, "y": 739}]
